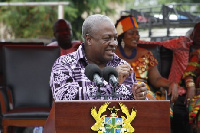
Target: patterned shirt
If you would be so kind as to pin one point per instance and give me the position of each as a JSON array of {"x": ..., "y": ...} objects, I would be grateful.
[{"x": 69, "y": 82}]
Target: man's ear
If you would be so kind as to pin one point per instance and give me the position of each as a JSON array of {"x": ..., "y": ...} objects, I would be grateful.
[{"x": 88, "y": 39}]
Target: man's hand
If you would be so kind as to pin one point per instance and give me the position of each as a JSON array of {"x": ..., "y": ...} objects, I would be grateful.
[
  {"x": 124, "y": 71},
  {"x": 139, "y": 91}
]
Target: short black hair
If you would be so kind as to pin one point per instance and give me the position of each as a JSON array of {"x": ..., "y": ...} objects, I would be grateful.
[{"x": 58, "y": 21}]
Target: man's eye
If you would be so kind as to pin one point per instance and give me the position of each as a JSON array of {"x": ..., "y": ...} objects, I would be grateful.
[{"x": 107, "y": 39}]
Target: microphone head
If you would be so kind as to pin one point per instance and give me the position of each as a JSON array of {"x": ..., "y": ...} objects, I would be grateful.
[
  {"x": 92, "y": 69},
  {"x": 107, "y": 71}
]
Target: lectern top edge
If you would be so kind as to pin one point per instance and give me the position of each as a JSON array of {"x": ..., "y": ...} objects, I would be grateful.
[{"x": 92, "y": 101}]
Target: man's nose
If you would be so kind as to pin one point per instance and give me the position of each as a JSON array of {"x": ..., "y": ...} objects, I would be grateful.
[{"x": 114, "y": 42}]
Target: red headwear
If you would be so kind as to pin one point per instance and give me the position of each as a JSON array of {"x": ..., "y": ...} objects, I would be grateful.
[{"x": 126, "y": 24}]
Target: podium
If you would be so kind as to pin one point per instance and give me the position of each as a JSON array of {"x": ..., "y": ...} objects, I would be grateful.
[{"x": 152, "y": 116}]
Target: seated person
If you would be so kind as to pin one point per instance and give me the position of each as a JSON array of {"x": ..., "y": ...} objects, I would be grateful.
[
  {"x": 62, "y": 31},
  {"x": 192, "y": 83},
  {"x": 186, "y": 108},
  {"x": 180, "y": 47},
  {"x": 68, "y": 80},
  {"x": 141, "y": 60}
]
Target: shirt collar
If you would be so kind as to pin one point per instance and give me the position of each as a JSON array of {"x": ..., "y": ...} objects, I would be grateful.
[{"x": 81, "y": 53}]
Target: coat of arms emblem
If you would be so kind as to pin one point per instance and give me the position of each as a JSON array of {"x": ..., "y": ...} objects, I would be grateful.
[{"x": 113, "y": 123}]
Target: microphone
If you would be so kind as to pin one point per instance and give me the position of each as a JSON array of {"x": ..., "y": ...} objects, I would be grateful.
[
  {"x": 110, "y": 75},
  {"x": 93, "y": 72}
]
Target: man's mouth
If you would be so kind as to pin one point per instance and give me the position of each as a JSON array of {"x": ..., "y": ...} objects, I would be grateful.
[{"x": 110, "y": 51}]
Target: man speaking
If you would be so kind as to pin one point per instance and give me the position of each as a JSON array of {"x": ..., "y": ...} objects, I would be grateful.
[{"x": 68, "y": 79}]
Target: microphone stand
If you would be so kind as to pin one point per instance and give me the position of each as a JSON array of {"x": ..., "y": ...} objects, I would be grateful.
[
  {"x": 98, "y": 94},
  {"x": 114, "y": 95}
]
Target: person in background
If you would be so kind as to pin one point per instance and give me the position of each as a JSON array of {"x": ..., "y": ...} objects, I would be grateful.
[
  {"x": 62, "y": 31},
  {"x": 191, "y": 79},
  {"x": 68, "y": 80},
  {"x": 180, "y": 47},
  {"x": 187, "y": 107},
  {"x": 141, "y": 60}
]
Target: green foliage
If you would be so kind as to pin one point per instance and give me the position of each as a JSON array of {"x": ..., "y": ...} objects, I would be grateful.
[
  {"x": 36, "y": 21},
  {"x": 88, "y": 7},
  {"x": 28, "y": 22}
]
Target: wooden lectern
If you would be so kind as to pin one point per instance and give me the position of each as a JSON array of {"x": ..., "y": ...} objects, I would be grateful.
[{"x": 75, "y": 116}]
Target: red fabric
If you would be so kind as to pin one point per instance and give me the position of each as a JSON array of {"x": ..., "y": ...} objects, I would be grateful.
[
  {"x": 193, "y": 68},
  {"x": 180, "y": 48}
]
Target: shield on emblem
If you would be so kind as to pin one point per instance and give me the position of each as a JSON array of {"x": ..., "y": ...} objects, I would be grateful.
[{"x": 113, "y": 124}]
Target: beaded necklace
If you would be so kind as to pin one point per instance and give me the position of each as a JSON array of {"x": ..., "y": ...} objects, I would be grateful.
[{"x": 134, "y": 53}]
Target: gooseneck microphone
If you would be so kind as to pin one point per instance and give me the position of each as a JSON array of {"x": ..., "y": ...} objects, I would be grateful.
[
  {"x": 111, "y": 75},
  {"x": 94, "y": 73}
]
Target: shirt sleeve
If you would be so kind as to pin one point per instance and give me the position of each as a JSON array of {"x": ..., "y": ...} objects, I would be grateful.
[{"x": 61, "y": 81}]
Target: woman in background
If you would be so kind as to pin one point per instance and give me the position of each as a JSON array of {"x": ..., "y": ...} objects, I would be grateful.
[{"x": 141, "y": 60}]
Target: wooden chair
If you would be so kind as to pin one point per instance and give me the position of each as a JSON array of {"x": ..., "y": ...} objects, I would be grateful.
[{"x": 26, "y": 70}]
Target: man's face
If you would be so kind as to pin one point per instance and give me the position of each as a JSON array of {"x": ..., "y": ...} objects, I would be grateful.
[
  {"x": 104, "y": 42},
  {"x": 196, "y": 35},
  {"x": 63, "y": 35}
]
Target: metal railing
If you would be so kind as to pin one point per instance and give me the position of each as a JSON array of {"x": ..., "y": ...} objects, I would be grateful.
[{"x": 166, "y": 16}]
